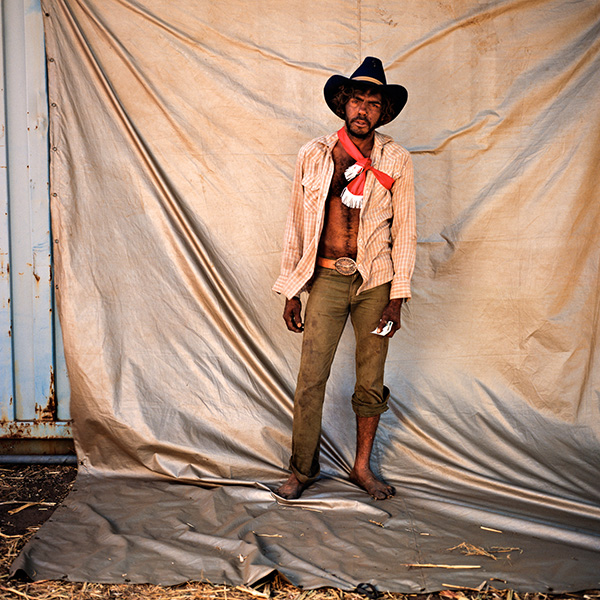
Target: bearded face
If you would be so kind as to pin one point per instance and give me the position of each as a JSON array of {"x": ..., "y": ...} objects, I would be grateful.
[{"x": 363, "y": 111}]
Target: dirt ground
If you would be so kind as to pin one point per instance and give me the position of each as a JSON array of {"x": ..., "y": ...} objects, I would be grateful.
[
  {"x": 30, "y": 493},
  {"x": 28, "y": 496}
]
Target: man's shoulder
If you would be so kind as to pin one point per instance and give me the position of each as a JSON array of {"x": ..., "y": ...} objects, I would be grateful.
[
  {"x": 391, "y": 147},
  {"x": 318, "y": 145}
]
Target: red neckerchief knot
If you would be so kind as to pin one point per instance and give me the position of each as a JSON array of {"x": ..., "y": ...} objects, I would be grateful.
[{"x": 352, "y": 195}]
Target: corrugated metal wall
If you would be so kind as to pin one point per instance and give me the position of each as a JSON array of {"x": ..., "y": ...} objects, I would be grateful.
[{"x": 34, "y": 391}]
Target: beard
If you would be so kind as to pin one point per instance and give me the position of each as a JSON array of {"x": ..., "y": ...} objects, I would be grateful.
[{"x": 359, "y": 134}]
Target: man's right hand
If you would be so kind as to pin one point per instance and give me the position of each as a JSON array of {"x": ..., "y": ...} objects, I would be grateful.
[{"x": 292, "y": 315}]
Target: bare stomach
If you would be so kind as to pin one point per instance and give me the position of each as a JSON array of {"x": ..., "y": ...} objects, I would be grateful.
[{"x": 340, "y": 231}]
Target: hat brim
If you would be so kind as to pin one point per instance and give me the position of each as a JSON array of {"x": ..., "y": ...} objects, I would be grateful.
[{"x": 396, "y": 93}]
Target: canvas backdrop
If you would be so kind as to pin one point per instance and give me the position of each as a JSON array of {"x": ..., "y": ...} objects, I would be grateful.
[{"x": 174, "y": 129}]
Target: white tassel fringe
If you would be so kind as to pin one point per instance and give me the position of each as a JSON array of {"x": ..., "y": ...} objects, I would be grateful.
[
  {"x": 352, "y": 171},
  {"x": 350, "y": 200}
]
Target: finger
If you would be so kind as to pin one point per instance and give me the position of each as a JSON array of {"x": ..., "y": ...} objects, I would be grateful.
[
  {"x": 293, "y": 327},
  {"x": 289, "y": 322},
  {"x": 297, "y": 317},
  {"x": 294, "y": 322},
  {"x": 395, "y": 328}
]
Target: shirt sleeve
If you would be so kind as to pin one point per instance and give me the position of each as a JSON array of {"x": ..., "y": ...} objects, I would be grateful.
[
  {"x": 294, "y": 230},
  {"x": 403, "y": 231}
]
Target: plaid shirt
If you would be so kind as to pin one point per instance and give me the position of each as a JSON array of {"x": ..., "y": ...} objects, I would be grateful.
[{"x": 387, "y": 235}]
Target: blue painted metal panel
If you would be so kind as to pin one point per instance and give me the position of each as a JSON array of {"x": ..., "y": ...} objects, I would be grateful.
[
  {"x": 6, "y": 358},
  {"x": 31, "y": 361}
]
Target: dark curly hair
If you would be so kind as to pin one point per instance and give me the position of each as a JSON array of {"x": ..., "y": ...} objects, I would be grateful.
[{"x": 346, "y": 92}]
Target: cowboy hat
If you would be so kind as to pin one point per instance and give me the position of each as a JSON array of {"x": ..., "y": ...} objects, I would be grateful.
[{"x": 369, "y": 74}]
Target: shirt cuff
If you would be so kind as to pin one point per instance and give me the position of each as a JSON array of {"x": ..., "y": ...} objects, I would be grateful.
[{"x": 400, "y": 289}]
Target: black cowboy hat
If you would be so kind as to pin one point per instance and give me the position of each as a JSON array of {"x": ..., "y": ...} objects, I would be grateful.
[{"x": 369, "y": 75}]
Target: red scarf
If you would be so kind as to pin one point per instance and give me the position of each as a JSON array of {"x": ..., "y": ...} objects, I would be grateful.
[{"x": 352, "y": 195}]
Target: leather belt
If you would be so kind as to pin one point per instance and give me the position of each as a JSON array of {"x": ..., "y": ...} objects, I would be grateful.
[{"x": 344, "y": 265}]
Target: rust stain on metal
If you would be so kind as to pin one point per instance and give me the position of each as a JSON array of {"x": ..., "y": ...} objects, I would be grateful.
[
  {"x": 20, "y": 430},
  {"x": 4, "y": 418},
  {"x": 43, "y": 413},
  {"x": 34, "y": 271},
  {"x": 52, "y": 394},
  {"x": 48, "y": 412},
  {"x": 36, "y": 430}
]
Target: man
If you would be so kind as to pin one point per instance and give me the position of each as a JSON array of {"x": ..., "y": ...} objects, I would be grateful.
[{"x": 350, "y": 242}]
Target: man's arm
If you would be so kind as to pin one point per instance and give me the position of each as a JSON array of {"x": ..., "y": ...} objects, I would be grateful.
[
  {"x": 403, "y": 231},
  {"x": 292, "y": 250},
  {"x": 293, "y": 239},
  {"x": 404, "y": 243}
]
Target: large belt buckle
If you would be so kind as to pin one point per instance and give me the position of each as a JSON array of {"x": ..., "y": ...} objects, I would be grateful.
[{"x": 345, "y": 266}]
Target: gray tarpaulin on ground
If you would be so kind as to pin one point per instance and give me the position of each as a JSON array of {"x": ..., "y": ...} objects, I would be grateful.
[{"x": 174, "y": 130}]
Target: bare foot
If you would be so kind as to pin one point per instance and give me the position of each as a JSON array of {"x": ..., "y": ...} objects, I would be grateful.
[
  {"x": 368, "y": 482},
  {"x": 292, "y": 488}
]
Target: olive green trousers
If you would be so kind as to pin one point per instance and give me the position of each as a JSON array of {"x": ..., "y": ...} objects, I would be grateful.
[{"x": 332, "y": 298}]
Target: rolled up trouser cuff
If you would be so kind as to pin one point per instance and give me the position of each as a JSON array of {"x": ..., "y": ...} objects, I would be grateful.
[
  {"x": 366, "y": 407},
  {"x": 303, "y": 478}
]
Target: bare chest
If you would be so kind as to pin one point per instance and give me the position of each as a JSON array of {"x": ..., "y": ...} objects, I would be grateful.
[
  {"x": 338, "y": 181},
  {"x": 341, "y": 224}
]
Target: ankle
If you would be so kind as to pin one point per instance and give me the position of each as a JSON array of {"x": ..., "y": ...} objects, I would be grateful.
[{"x": 361, "y": 467}]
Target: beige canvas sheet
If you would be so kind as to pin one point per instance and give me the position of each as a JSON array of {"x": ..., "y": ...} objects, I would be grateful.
[{"x": 174, "y": 131}]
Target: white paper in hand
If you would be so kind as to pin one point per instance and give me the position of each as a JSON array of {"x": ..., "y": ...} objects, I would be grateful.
[{"x": 386, "y": 329}]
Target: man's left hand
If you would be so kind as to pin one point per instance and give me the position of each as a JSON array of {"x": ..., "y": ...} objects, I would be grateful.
[{"x": 391, "y": 313}]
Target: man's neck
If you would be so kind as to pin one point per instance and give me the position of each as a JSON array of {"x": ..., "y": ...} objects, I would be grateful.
[{"x": 365, "y": 145}]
